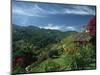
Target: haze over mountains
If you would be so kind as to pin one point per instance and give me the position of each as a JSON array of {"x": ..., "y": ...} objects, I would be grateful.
[{"x": 48, "y": 28}]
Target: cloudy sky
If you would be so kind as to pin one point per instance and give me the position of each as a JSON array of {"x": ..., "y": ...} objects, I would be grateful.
[{"x": 62, "y": 17}]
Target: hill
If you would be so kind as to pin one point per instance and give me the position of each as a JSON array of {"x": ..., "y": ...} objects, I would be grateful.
[{"x": 45, "y": 50}]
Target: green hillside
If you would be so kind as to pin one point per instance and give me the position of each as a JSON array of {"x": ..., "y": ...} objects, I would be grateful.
[{"x": 45, "y": 50}]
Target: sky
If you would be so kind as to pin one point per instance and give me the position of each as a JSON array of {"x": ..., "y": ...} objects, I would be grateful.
[{"x": 63, "y": 17}]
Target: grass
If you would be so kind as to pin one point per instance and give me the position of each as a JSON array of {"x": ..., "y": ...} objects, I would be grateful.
[{"x": 57, "y": 64}]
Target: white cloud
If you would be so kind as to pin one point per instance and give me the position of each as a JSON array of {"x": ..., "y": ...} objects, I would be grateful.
[
  {"x": 36, "y": 10},
  {"x": 70, "y": 28},
  {"x": 31, "y": 11},
  {"x": 51, "y": 26},
  {"x": 78, "y": 10},
  {"x": 81, "y": 10},
  {"x": 59, "y": 27}
]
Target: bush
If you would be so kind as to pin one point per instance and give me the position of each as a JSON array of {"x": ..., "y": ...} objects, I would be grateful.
[
  {"x": 51, "y": 66},
  {"x": 84, "y": 56}
]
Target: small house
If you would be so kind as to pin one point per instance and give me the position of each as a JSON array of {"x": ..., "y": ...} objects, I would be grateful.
[{"x": 81, "y": 38}]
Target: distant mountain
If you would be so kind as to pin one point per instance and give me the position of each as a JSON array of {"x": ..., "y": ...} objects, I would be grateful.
[
  {"x": 34, "y": 33},
  {"x": 37, "y": 28},
  {"x": 25, "y": 27}
]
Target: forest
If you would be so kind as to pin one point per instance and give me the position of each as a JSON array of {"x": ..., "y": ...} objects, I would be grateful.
[{"x": 37, "y": 50}]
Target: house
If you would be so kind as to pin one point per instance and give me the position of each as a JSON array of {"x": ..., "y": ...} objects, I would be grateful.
[
  {"x": 81, "y": 38},
  {"x": 89, "y": 36}
]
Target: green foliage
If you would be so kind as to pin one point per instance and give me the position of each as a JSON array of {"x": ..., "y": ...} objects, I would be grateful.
[
  {"x": 51, "y": 50},
  {"x": 51, "y": 66},
  {"x": 84, "y": 57},
  {"x": 18, "y": 70}
]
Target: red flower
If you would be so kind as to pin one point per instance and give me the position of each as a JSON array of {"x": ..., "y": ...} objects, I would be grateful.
[
  {"x": 91, "y": 27},
  {"x": 19, "y": 59}
]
